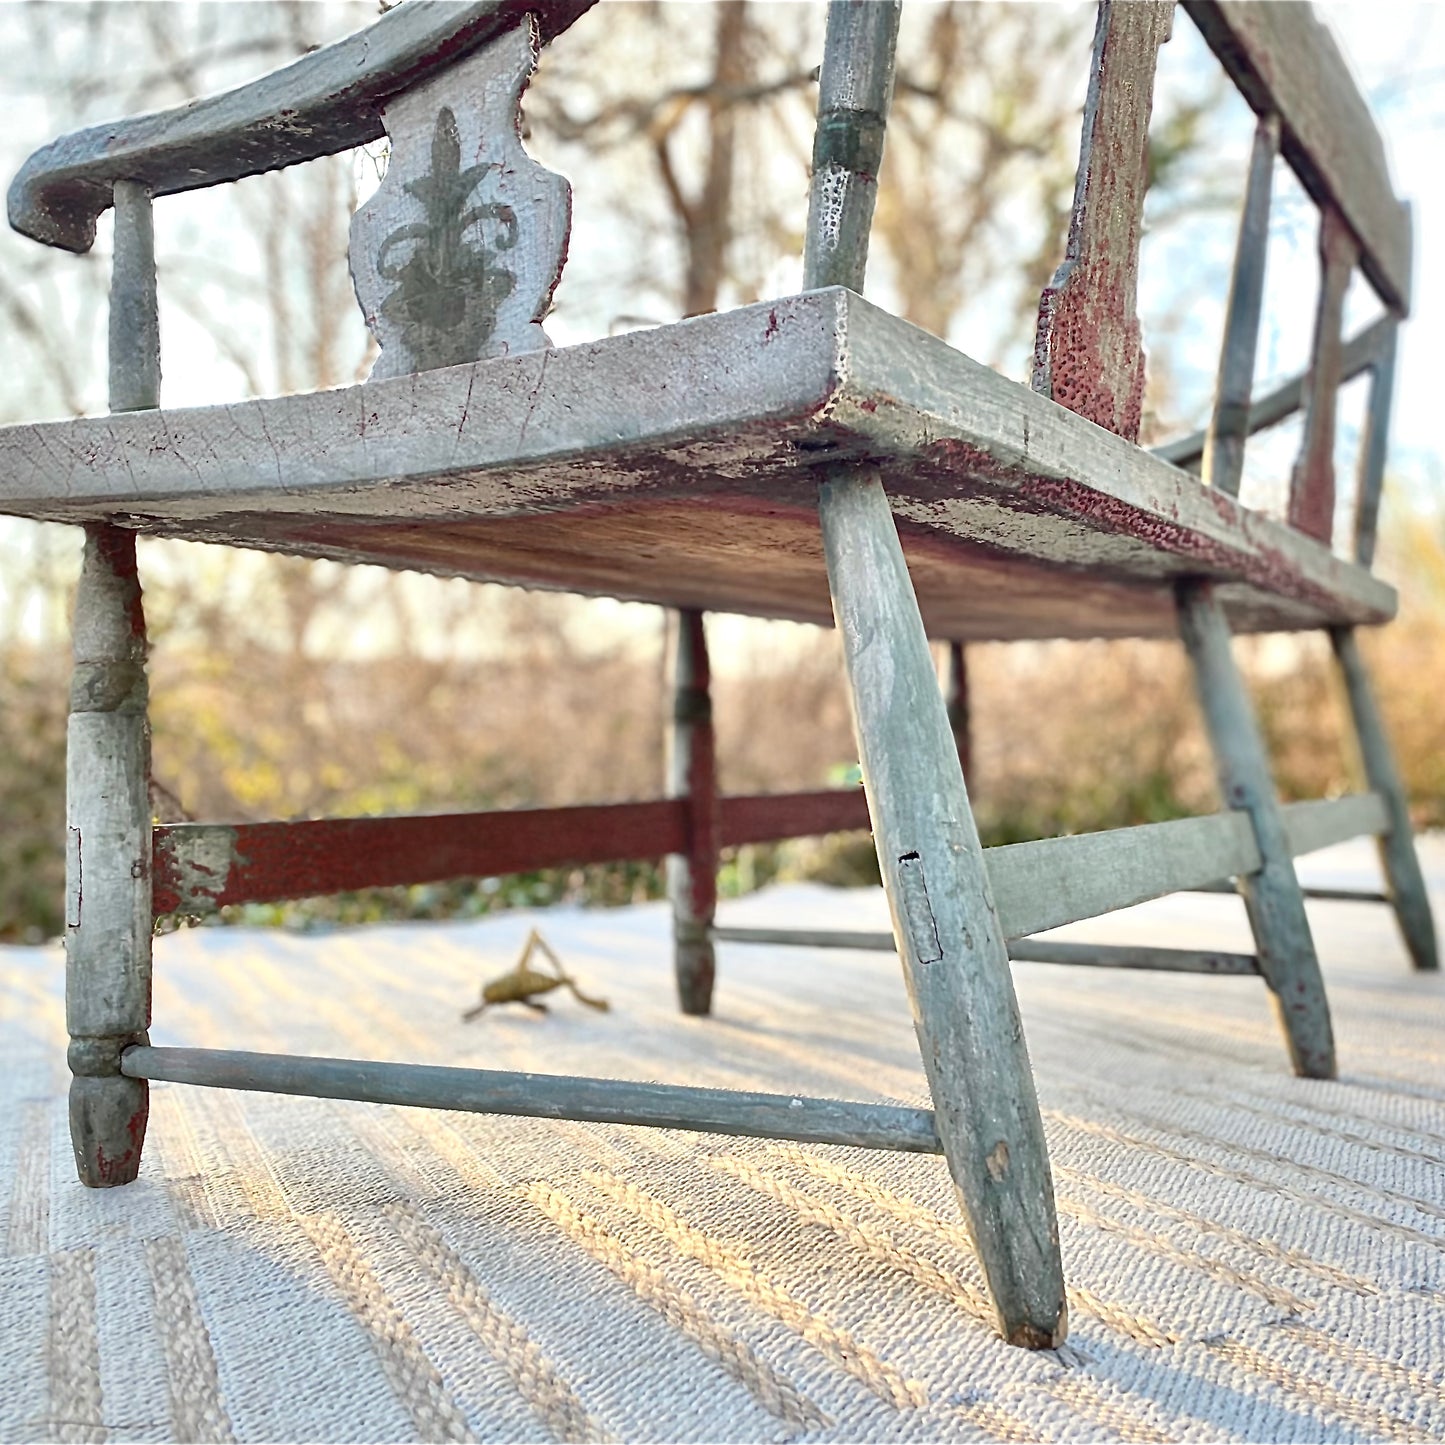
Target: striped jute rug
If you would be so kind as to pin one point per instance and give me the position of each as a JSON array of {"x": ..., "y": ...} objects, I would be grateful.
[{"x": 1250, "y": 1256}]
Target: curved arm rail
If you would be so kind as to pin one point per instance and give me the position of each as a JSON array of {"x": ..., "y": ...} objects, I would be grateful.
[{"x": 325, "y": 102}]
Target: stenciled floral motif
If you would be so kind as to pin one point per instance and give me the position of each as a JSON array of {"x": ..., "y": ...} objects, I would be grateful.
[{"x": 451, "y": 284}]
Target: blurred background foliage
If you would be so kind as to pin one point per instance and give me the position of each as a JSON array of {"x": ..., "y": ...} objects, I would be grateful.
[{"x": 284, "y": 688}]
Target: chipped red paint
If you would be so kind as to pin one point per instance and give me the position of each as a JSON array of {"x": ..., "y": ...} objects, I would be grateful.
[
  {"x": 116, "y": 547},
  {"x": 335, "y": 855},
  {"x": 1088, "y": 355},
  {"x": 1262, "y": 566},
  {"x": 274, "y": 861},
  {"x": 123, "y": 1169}
]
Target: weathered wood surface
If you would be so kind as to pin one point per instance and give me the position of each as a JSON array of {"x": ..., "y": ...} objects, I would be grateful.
[
  {"x": 456, "y": 254},
  {"x": 1054, "y": 881},
  {"x": 547, "y": 1096},
  {"x": 107, "y": 769},
  {"x": 1088, "y": 355},
  {"x": 1151, "y": 960},
  {"x": 108, "y": 885},
  {"x": 1310, "y": 890},
  {"x": 692, "y": 776},
  {"x": 1375, "y": 446},
  {"x": 135, "y": 333},
  {"x": 1023, "y": 950},
  {"x": 1398, "y": 859},
  {"x": 954, "y": 963},
  {"x": 1320, "y": 823},
  {"x": 1284, "y": 59},
  {"x": 1312, "y": 484},
  {"x": 855, "y": 90},
  {"x": 1360, "y": 353},
  {"x": 1271, "y": 893},
  {"x": 949, "y": 938},
  {"x": 638, "y": 467},
  {"x": 868, "y": 941},
  {"x": 1223, "y": 463},
  {"x": 325, "y": 102}
]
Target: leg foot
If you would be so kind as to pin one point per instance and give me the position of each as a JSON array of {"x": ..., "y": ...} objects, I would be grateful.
[
  {"x": 695, "y": 967},
  {"x": 107, "y": 1129}
]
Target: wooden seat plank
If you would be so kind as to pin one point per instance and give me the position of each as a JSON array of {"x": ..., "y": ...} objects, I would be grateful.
[{"x": 678, "y": 465}]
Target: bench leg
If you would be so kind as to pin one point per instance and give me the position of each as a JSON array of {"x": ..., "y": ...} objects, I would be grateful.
[
  {"x": 1272, "y": 897},
  {"x": 947, "y": 931},
  {"x": 108, "y": 867},
  {"x": 1401, "y": 865},
  {"x": 960, "y": 711},
  {"x": 692, "y": 774}
]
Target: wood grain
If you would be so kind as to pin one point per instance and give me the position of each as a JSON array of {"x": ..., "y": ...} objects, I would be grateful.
[
  {"x": 135, "y": 334},
  {"x": 1054, "y": 881},
  {"x": 203, "y": 866}
]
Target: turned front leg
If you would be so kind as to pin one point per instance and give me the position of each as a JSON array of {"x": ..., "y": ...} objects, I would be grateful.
[{"x": 108, "y": 864}]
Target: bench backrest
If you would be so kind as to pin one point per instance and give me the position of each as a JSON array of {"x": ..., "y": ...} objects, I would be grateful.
[{"x": 1088, "y": 354}]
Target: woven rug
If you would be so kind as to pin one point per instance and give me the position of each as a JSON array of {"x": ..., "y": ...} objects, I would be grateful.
[{"x": 1250, "y": 1256}]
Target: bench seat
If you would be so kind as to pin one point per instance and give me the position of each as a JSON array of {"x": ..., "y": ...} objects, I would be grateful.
[{"x": 678, "y": 465}]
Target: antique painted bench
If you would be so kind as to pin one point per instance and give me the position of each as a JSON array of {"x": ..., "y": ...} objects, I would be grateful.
[{"x": 811, "y": 457}]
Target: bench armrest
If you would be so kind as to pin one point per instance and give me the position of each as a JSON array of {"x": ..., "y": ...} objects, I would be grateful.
[{"x": 325, "y": 102}]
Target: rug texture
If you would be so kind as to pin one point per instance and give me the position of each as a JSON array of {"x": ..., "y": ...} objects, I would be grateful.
[{"x": 1250, "y": 1256}]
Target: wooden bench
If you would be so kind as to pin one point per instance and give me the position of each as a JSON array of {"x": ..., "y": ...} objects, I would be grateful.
[{"x": 810, "y": 457}]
